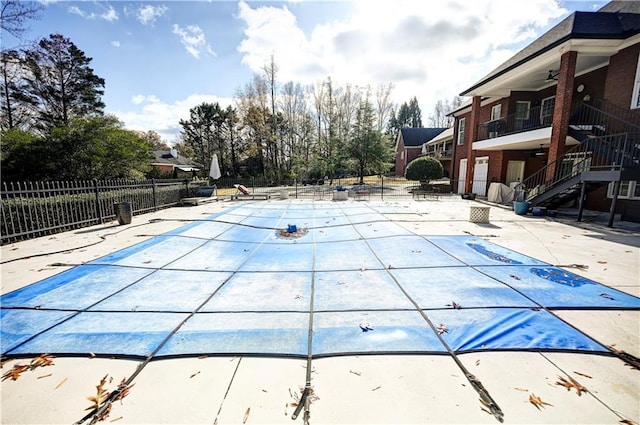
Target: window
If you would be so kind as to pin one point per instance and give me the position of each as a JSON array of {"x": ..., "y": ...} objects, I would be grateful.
[
  {"x": 628, "y": 190},
  {"x": 522, "y": 109},
  {"x": 461, "y": 131},
  {"x": 546, "y": 110},
  {"x": 496, "y": 110},
  {"x": 635, "y": 97}
]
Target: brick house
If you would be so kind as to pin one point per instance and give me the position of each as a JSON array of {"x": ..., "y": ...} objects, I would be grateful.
[
  {"x": 171, "y": 162},
  {"x": 409, "y": 145},
  {"x": 562, "y": 116}
]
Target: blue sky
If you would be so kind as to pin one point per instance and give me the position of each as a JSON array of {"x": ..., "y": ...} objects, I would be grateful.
[{"x": 161, "y": 58}]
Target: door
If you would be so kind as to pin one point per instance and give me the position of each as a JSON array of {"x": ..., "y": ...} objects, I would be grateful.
[
  {"x": 462, "y": 175},
  {"x": 480, "y": 174},
  {"x": 515, "y": 172}
]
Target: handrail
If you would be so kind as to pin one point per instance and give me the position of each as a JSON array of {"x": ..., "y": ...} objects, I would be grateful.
[
  {"x": 612, "y": 153},
  {"x": 623, "y": 114},
  {"x": 600, "y": 121}
]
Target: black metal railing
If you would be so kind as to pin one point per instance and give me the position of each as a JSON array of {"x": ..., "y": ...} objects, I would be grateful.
[
  {"x": 607, "y": 153},
  {"x": 528, "y": 120},
  {"x": 33, "y": 209},
  {"x": 440, "y": 153}
]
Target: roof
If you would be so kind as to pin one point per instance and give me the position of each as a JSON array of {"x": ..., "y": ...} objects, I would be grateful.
[
  {"x": 600, "y": 25},
  {"x": 415, "y": 137},
  {"x": 164, "y": 157},
  {"x": 447, "y": 134}
]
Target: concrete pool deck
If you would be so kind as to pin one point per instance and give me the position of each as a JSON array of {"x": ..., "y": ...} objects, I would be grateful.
[{"x": 358, "y": 389}]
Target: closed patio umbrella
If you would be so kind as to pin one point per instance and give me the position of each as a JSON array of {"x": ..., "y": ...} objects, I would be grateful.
[{"x": 214, "y": 170}]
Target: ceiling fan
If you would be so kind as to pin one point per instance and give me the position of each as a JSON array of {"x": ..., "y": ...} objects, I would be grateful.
[{"x": 552, "y": 76}]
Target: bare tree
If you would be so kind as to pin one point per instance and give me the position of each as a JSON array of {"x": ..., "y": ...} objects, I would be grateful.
[
  {"x": 384, "y": 106},
  {"x": 14, "y": 15}
]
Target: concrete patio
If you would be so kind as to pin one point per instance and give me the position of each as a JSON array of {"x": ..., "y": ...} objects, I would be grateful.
[{"x": 529, "y": 387}]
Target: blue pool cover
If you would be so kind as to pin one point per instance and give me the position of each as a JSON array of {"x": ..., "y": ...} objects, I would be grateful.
[{"x": 239, "y": 283}]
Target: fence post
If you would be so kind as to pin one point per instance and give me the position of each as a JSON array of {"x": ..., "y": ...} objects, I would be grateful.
[
  {"x": 153, "y": 191},
  {"x": 97, "y": 192},
  {"x": 382, "y": 187}
]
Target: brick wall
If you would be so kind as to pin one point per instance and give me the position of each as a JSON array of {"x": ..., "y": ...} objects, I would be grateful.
[{"x": 620, "y": 77}]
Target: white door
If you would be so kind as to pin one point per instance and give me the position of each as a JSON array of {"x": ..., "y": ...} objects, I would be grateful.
[
  {"x": 515, "y": 172},
  {"x": 462, "y": 175},
  {"x": 480, "y": 174}
]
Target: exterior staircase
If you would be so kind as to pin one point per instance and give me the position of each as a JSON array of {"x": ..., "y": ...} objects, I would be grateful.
[{"x": 608, "y": 151}]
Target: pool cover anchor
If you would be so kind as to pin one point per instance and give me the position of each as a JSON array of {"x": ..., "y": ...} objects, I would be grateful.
[
  {"x": 485, "y": 398},
  {"x": 301, "y": 403}
]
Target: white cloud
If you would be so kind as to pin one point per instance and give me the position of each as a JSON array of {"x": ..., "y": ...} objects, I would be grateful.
[
  {"x": 109, "y": 13},
  {"x": 164, "y": 118},
  {"x": 115, "y": 43},
  {"x": 431, "y": 50},
  {"x": 193, "y": 39},
  {"x": 148, "y": 14}
]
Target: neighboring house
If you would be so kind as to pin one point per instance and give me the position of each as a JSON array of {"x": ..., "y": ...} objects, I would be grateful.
[
  {"x": 174, "y": 163},
  {"x": 409, "y": 145},
  {"x": 562, "y": 116},
  {"x": 441, "y": 148}
]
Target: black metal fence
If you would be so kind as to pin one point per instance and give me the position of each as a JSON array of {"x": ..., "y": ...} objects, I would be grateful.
[
  {"x": 372, "y": 188},
  {"x": 33, "y": 209}
]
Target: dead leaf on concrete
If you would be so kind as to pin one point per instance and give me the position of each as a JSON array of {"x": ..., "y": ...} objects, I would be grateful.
[
  {"x": 15, "y": 372},
  {"x": 583, "y": 374},
  {"x": 537, "y": 401},
  {"x": 571, "y": 383},
  {"x": 246, "y": 415},
  {"x": 61, "y": 383}
]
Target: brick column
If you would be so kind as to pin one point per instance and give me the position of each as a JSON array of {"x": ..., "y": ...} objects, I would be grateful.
[
  {"x": 470, "y": 136},
  {"x": 562, "y": 109}
]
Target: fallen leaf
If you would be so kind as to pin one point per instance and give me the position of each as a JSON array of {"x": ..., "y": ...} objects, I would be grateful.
[
  {"x": 60, "y": 384},
  {"x": 513, "y": 276},
  {"x": 602, "y": 262},
  {"x": 15, "y": 372},
  {"x": 521, "y": 389},
  {"x": 42, "y": 360},
  {"x": 537, "y": 401},
  {"x": 355, "y": 372},
  {"x": 478, "y": 362},
  {"x": 92, "y": 355},
  {"x": 571, "y": 383},
  {"x": 116, "y": 419},
  {"x": 194, "y": 374},
  {"x": 376, "y": 388},
  {"x": 583, "y": 374},
  {"x": 123, "y": 389},
  {"x": 246, "y": 415},
  {"x": 45, "y": 376}
]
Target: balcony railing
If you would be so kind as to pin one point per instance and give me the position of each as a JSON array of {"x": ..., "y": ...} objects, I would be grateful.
[
  {"x": 530, "y": 119},
  {"x": 440, "y": 153}
]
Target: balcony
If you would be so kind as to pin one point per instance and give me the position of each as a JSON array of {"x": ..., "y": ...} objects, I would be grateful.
[
  {"x": 441, "y": 154},
  {"x": 531, "y": 119}
]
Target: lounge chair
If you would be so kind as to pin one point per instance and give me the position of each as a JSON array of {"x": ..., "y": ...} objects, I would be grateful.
[
  {"x": 243, "y": 193},
  {"x": 203, "y": 195}
]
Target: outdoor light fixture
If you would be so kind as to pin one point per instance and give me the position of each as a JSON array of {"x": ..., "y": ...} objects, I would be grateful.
[{"x": 552, "y": 76}]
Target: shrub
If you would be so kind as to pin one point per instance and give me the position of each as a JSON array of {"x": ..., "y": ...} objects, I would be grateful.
[{"x": 424, "y": 169}]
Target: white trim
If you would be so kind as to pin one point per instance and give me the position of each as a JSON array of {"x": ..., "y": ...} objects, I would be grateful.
[
  {"x": 635, "y": 95},
  {"x": 496, "y": 111},
  {"x": 518, "y": 141},
  {"x": 461, "y": 123},
  {"x": 631, "y": 187}
]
